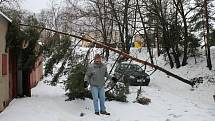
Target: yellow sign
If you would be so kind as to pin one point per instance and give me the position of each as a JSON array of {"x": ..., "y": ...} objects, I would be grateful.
[{"x": 137, "y": 44}]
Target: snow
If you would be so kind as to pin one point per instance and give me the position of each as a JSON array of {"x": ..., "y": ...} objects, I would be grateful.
[{"x": 171, "y": 100}]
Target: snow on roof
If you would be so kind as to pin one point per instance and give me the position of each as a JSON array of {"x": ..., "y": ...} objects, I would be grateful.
[{"x": 8, "y": 19}]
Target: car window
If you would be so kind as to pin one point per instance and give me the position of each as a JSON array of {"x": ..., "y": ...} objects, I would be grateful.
[
  {"x": 129, "y": 67},
  {"x": 119, "y": 67},
  {"x": 122, "y": 67},
  {"x": 133, "y": 67},
  {"x": 139, "y": 68}
]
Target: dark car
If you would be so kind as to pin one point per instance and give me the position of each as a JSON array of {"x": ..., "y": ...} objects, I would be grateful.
[{"x": 132, "y": 73}]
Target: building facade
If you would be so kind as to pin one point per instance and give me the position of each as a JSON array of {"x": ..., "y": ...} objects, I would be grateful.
[
  {"x": 10, "y": 81},
  {"x": 4, "y": 57}
]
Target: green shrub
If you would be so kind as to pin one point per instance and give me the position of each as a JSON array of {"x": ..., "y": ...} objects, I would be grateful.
[
  {"x": 118, "y": 93},
  {"x": 75, "y": 83}
]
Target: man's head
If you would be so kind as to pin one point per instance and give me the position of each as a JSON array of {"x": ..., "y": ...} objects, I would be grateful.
[{"x": 97, "y": 59}]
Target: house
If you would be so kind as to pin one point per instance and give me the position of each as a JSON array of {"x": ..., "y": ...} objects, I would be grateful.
[
  {"x": 14, "y": 82},
  {"x": 4, "y": 68},
  {"x": 93, "y": 35}
]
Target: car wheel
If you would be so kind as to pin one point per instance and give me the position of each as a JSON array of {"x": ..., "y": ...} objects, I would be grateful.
[{"x": 147, "y": 82}]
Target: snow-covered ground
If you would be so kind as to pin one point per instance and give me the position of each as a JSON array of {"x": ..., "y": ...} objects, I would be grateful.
[{"x": 171, "y": 100}]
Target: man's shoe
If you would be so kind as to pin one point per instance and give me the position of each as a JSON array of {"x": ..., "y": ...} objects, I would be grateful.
[
  {"x": 105, "y": 113},
  {"x": 97, "y": 113}
]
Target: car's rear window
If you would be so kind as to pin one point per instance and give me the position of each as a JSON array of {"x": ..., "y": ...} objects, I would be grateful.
[
  {"x": 124, "y": 66},
  {"x": 132, "y": 67}
]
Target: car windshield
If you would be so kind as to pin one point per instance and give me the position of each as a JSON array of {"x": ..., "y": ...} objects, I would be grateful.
[{"x": 131, "y": 67}]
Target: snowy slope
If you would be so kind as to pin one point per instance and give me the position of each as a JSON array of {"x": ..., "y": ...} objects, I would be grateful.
[{"x": 172, "y": 100}]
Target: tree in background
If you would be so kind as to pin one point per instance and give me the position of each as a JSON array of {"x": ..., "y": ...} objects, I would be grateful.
[
  {"x": 193, "y": 45},
  {"x": 180, "y": 6},
  {"x": 203, "y": 22},
  {"x": 24, "y": 43},
  {"x": 212, "y": 38},
  {"x": 146, "y": 36},
  {"x": 207, "y": 40},
  {"x": 75, "y": 83},
  {"x": 122, "y": 15},
  {"x": 10, "y": 4},
  {"x": 159, "y": 10}
]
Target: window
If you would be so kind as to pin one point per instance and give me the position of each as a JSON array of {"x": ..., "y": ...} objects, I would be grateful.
[{"x": 4, "y": 64}]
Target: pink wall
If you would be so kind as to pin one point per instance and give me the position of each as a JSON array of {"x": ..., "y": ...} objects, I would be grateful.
[{"x": 37, "y": 72}]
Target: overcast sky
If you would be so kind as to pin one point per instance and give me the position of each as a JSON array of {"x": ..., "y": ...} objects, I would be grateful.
[{"x": 35, "y": 5}]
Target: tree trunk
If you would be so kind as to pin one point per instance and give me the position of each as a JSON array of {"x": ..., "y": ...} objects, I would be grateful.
[
  {"x": 125, "y": 22},
  {"x": 176, "y": 57},
  {"x": 180, "y": 9},
  {"x": 207, "y": 45},
  {"x": 175, "y": 41},
  {"x": 146, "y": 34},
  {"x": 158, "y": 42},
  {"x": 121, "y": 28},
  {"x": 170, "y": 58},
  {"x": 184, "y": 62}
]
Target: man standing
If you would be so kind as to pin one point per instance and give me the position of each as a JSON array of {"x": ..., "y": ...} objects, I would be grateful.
[{"x": 95, "y": 76}]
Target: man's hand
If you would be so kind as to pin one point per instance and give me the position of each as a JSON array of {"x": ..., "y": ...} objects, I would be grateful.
[
  {"x": 114, "y": 79},
  {"x": 86, "y": 84}
]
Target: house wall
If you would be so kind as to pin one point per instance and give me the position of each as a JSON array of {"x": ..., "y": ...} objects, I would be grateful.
[
  {"x": 91, "y": 36},
  {"x": 4, "y": 79},
  {"x": 115, "y": 37}
]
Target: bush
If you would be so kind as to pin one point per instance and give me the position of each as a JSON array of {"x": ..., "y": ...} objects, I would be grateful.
[
  {"x": 118, "y": 93},
  {"x": 144, "y": 100},
  {"x": 75, "y": 83}
]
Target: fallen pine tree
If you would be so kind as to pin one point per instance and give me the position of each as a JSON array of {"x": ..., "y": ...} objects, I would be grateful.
[{"x": 119, "y": 52}]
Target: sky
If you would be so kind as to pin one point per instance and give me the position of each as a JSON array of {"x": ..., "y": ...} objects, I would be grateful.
[{"x": 35, "y": 6}]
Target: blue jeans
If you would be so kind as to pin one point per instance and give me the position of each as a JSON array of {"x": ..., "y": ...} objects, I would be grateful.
[{"x": 98, "y": 94}]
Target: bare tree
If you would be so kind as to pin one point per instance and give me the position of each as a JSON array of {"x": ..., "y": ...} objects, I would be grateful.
[
  {"x": 207, "y": 44},
  {"x": 203, "y": 18},
  {"x": 179, "y": 4},
  {"x": 120, "y": 12},
  {"x": 12, "y": 4},
  {"x": 145, "y": 32},
  {"x": 104, "y": 25},
  {"x": 159, "y": 9}
]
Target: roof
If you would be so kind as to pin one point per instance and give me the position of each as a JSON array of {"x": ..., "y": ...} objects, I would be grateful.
[{"x": 8, "y": 19}]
